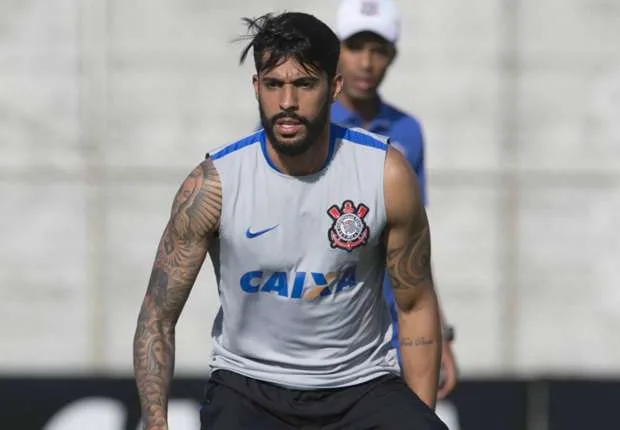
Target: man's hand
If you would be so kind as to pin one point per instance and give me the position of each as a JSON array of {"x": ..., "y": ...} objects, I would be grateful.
[
  {"x": 157, "y": 427},
  {"x": 449, "y": 371}
]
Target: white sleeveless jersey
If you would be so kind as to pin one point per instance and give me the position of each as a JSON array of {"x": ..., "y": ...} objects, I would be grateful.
[{"x": 300, "y": 264}]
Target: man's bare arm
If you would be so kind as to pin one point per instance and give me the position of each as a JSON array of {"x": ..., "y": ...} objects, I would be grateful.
[
  {"x": 408, "y": 246},
  {"x": 182, "y": 249}
]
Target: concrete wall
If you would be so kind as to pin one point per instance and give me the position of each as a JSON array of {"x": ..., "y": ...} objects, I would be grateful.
[{"x": 106, "y": 106}]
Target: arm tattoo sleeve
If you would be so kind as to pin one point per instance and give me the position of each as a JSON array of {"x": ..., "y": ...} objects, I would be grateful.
[
  {"x": 181, "y": 252},
  {"x": 409, "y": 265}
]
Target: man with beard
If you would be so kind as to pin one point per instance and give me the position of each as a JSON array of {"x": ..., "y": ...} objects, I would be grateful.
[
  {"x": 300, "y": 220},
  {"x": 369, "y": 31}
]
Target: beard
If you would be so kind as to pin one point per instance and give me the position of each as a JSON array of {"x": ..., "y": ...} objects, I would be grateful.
[{"x": 313, "y": 129}]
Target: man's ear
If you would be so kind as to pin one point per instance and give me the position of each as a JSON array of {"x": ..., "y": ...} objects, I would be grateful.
[
  {"x": 336, "y": 86},
  {"x": 255, "y": 84},
  {"x": 394, "y": 54}
]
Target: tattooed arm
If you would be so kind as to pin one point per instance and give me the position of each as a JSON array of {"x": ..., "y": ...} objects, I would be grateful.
[
  {"x": 408, "y": 262},
  {"x": 182, "y": 249}
]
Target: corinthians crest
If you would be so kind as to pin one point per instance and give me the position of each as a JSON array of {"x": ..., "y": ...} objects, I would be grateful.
[{"x": 349, "y": 229}]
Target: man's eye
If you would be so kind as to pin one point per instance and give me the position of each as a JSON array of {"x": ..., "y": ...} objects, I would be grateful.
[
  {"x": 271, "y": 84},
  {"x": 305, "y": 84}
]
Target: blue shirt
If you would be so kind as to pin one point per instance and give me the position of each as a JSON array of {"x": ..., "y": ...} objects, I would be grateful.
[{"x": 405, "y": 133}]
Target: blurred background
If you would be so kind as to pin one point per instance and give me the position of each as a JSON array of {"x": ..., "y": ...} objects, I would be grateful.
[{"x": 105, "y": 106}]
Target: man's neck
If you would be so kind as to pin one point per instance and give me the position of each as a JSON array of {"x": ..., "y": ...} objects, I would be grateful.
[
  {"x": 307, "y": 163},
  {"x": 366, "y": 109}
]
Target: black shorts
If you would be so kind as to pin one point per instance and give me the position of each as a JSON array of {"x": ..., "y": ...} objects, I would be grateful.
[{"x": 235, "y": 402}]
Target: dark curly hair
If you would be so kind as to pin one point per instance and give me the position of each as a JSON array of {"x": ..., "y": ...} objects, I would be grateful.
[{"x": 292, "y": 35}]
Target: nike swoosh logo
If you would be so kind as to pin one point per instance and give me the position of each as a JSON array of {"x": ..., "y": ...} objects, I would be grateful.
[{"x": 251, "y": 235}]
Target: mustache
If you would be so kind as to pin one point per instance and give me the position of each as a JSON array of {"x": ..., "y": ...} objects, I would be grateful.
[{"x": 289, "y": 115}]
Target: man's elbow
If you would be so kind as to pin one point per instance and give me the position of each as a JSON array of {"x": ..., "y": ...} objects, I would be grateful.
[
  {"x": 154, "y": 319},
  {"x": 416, "y": 299}
]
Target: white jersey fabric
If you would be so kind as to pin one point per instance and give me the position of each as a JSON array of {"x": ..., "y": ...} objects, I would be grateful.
[{"x": 300, "y": 264}]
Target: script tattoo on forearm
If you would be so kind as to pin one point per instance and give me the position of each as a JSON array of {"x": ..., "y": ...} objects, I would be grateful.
[
  {"x": 409, "y": 265},
  {"x": 421, "y": 341},
  {"x": 181, "y": 252}
]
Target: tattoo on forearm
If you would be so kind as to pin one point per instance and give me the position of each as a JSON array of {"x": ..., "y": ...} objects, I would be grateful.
[
  {"x": 153, "y": 364},
  {"x": 409, "y": 265},
  {"x": 421, "y": 341},
  {"x": 183, "y": 246}
]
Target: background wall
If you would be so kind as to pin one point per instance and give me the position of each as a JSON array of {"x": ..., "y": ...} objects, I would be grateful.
[{"x": 106, "y": 106}]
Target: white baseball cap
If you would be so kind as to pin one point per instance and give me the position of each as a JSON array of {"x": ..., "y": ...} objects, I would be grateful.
[{"x": 377, "y": 16}]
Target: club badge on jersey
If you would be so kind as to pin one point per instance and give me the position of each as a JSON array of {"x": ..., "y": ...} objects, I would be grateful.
[{"x": 349, "y": 230}]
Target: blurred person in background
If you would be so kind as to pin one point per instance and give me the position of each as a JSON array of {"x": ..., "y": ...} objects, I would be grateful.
[
  {"x": 302, "y": 338},
  {"x": 369, "y": 30}
]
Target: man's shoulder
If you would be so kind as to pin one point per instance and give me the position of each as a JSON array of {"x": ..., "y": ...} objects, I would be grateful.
[
  {"x": 400, "y": 118},
  {"x": 360, "y": 136},
  {"x": 236, "y": 146}
]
